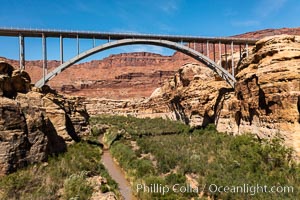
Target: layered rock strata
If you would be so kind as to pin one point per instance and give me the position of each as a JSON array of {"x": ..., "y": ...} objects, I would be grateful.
[
  {"x": 265, "y": 100},
  {"x": 34, "y": 123}
]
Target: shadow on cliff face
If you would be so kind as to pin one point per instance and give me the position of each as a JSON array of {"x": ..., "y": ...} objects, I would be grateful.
[
  {"x": 262, "y": 99},
  {"x": 178, "y": 109},
  {"x": 180, "y": 114},
  {"x": 223, "y": 92},
  {"x": 218, "y": 106},
  {"x": 252, "y": 111},
  {"x": 71, "y": 130},
  {"x": 56, "y": 144},
  {"x": 207, "y": 119}
]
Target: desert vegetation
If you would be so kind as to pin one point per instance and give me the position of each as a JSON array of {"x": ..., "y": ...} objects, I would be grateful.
[
  {"x": 63, "y": 177},
  {"x": 163, "y": 152}
]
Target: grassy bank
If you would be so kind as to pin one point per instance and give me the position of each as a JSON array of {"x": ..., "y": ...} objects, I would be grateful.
[
  {"x": 62, "y": 177},
  {"x": 165, "y": 153}
]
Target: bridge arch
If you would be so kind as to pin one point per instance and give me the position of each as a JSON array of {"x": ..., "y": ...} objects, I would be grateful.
[{"x": 164, "y": 43}]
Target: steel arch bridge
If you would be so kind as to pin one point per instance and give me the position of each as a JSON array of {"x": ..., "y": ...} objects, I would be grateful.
[
  {"x": 172, "y": 45},
  {"x": 179, "y": 43}
]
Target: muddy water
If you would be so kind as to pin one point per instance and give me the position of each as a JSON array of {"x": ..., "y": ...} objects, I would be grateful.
[{"x": 117, "y": 174}]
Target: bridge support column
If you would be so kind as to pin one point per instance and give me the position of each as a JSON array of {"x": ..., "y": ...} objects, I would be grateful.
[
  {"x": 226, "y": 61},
  {"x": 214, "y": 49},
  {"x": 220, "y": 53},
  {"x": 207, "y": 48},
  {"x": 77, "y": 45},
  {"x": 61, "y": 44},
  {"x": 232, "y": 60},
  {"x": 94, "y": 42},
  {"x": 247, "y": 53},
  {"x": 44, "y": 47},
  {"x": 22, "y": 52},
  {"x": 240, "y": 46}
]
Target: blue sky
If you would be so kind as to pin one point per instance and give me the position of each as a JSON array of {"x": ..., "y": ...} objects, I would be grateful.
[{"x": 176, "y": 17}]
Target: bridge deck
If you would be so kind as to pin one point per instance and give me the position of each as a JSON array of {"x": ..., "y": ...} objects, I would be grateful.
[{"x": 117, "y": 36}]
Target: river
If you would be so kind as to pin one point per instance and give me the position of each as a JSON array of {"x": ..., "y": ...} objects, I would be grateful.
[{"x": 118, "y": 175}]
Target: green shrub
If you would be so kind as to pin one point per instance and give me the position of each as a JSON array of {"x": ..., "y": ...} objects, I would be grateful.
[
  {"x": 175, "y": 178},
  {"x": 111, "y": 135},
  {"x": 104, "y": 188},
  {"x": 225, "y": 160},
  {"x": 143, "y": 168},
  {"x": 124, "y": 154},
  {"x": 45, "y": 181},
  {"x": 96, "y": 131},
  {"x": 214, "y": 158},
  {"x": 211, "y": 127},
  {"x": 77, "y": 187},
  {"x": 142, "y": 126}
]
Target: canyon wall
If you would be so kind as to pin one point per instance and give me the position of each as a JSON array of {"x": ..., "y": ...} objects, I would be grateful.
[
  {"x": 34, "y": 123},
  {"x": 265, "y": 100},
  {"x": 122, "y": 76}
]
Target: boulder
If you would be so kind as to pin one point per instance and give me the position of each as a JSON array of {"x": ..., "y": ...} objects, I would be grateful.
[
  {"x": 6, "y": 68},
  {"x": 6, "y": 88},
  {"x": 20, "y": 81},
  {"x": 13, "y": 81}
]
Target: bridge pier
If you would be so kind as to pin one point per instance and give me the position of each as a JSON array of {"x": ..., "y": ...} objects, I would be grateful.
[
  {"x": 77, "y": 38},
  {"x": 207, "y": 48},
  {"x": 220, "y": 53},
  {"x": 232, "y": 60},
  {"x": 44, "y": 51},
  {"x": 94, "y": 42},
  {"x": 61, "y": 47},
  {"x": 240, "y": 46},
  {"x": 21, "y": 52},
  {"x": 214, "y": 49}
]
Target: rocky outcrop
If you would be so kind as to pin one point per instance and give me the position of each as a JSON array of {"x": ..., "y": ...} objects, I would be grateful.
[
  {"x": 34, "y": 123},
  {"x": 265, "y": 100},
  {"x": 13, "y": 81},
  {"x": 268, "y": 90}
]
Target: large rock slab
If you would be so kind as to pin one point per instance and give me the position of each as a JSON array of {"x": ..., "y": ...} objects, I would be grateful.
[{"x": 34, "y": 123}]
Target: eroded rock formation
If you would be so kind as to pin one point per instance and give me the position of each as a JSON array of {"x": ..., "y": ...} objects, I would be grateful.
[
  {"x": 264, "y": 102},
  {"x": 34, "y": 123},
  {"x": 268, "y": 90}
]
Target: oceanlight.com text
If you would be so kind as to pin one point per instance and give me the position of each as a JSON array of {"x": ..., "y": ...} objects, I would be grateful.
[
  {"x": 213, "y": 188},
  {"x": 250, "y": 189}
]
